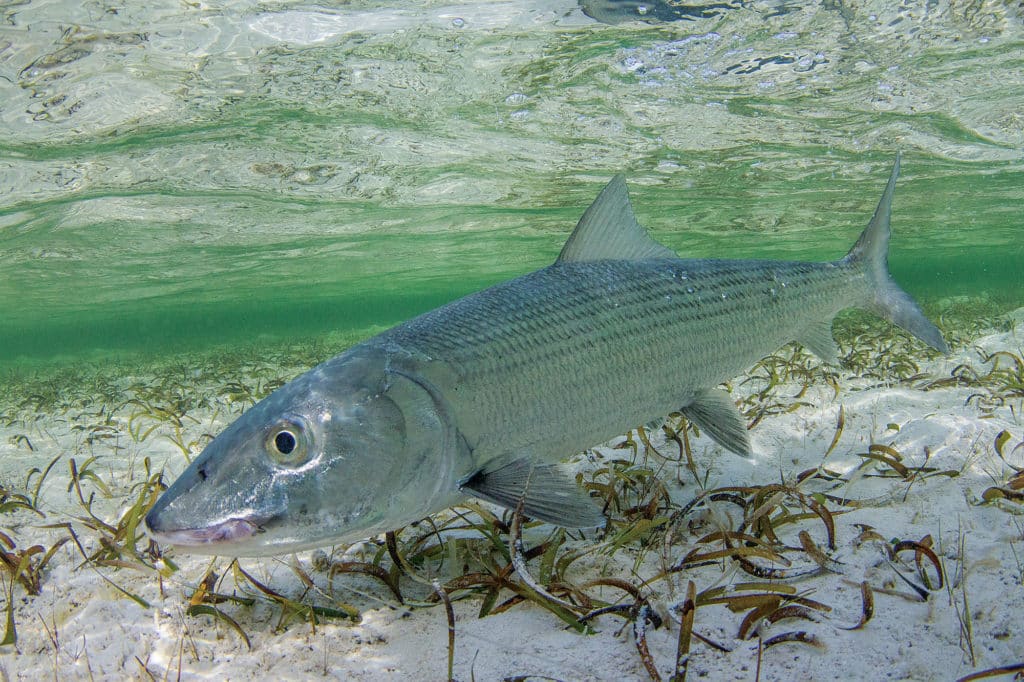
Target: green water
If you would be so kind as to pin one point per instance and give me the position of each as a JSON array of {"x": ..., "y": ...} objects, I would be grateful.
[{"x": 179, "y": 176}]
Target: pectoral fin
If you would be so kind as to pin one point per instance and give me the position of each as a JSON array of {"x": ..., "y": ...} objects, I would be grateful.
[
  {"x": 714, "y": 412},
  {"x": 547, "y": 493}
]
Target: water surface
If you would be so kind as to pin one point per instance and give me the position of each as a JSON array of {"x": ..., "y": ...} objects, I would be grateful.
[{"x": 188, "y": 175}]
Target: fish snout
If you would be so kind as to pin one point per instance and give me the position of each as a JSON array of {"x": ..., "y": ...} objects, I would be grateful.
[
  {"x": 177, "y": 519},
  {"x": 231, "y": 530}
]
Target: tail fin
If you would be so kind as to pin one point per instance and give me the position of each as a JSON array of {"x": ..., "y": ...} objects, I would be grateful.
[{"x": 870, "y": 253}]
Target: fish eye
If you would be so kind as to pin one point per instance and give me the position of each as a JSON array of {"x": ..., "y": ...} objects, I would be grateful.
[
  {"x": 284, "y": 442},
  {"x": 287, "y": 443}
]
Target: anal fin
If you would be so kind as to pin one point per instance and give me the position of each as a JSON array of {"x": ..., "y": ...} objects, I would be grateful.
[
  {"x": 714, "y": 412},
  {"x": 547, "y": 493},
  {"x": 818, "y": 339}
]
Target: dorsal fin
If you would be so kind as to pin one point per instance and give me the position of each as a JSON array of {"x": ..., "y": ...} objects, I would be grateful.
[{"x": 608, "y": 230}]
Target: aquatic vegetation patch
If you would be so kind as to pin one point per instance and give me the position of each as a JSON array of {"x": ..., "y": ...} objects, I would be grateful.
[
  {"x": 1001, "y": 384},
  {"x": 732, "y": 568}
]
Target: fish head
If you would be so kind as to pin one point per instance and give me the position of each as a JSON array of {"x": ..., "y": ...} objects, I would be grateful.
[{"x": 333, "y": 456}]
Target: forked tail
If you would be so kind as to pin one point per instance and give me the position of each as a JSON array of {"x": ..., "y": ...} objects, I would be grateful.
[{"x": 871, "y": 255}]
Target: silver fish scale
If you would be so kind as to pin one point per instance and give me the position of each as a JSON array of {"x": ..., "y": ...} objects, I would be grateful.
[{"x": 571, "y": 355}]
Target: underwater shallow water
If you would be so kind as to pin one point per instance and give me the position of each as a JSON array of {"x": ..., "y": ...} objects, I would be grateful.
[
  {"x": 188, "y": 175},
  {"x": 263, "y": 183}
]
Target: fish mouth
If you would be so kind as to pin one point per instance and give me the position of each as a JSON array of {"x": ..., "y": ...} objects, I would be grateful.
[{"x": 231, "y": 530}]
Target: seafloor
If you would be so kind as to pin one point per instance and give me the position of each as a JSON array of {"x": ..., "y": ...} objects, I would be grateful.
[{"x": 878, "y": 532}]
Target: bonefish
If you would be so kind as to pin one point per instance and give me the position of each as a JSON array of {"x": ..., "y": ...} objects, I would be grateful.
[{"x": 485, "y": 395}]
